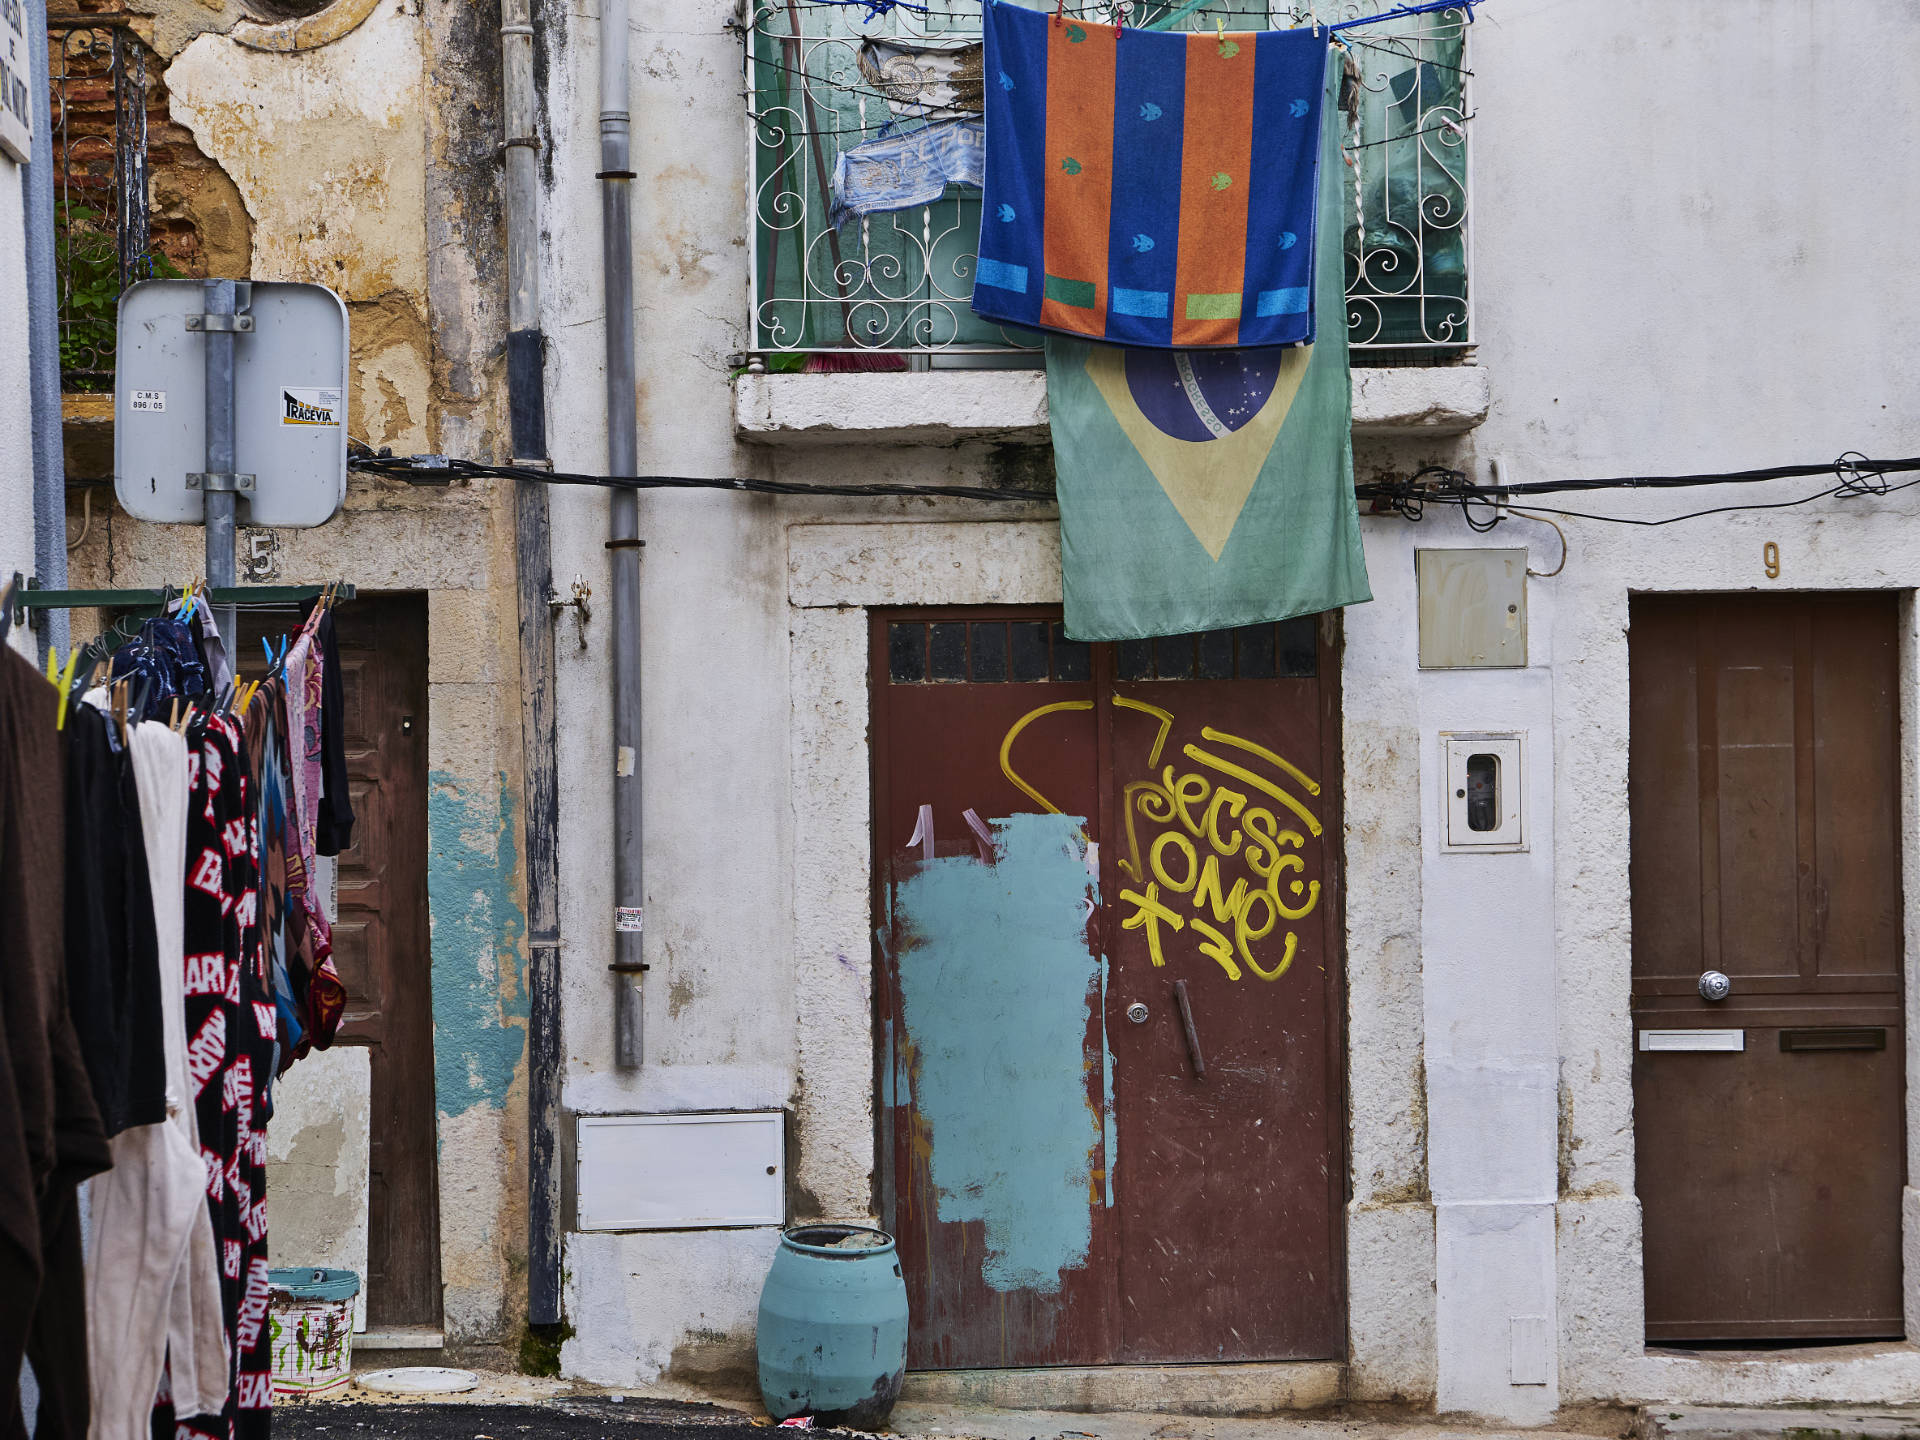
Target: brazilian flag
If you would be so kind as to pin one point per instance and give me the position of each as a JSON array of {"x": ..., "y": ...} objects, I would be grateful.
[{"x": 1207, "y": 488}]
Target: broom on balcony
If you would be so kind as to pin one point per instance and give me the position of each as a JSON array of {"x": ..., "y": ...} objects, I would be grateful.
[{"x": 851, "y": 359}]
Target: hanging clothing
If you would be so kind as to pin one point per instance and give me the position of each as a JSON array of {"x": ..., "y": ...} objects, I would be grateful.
[
  {"x": 271, "y": 788},
  {"x": 898, "y": 172},
  {"x": 212, "y": 647},
  {"x": 921, "y": 81},
  {"x": 334, "y": 823},
  {"x": 153, "y": 1278},
  {"x": 1153, "y": 188},
  {"x": 164, "y": 662},
  {"x": 50, "y": 1131},
  {"x": 230, "y": 1033},
  {"x": 1208, "y": 489},
  {"x": 309, "y": 935},
  {"x": 113, "y": 972}
]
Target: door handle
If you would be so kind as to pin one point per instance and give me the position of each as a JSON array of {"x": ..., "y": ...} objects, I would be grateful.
[
  {"x": 1186, "y": 1024},
  {"x": 1714, "y": 986},
  {"x": 1834, "y": 1037}
]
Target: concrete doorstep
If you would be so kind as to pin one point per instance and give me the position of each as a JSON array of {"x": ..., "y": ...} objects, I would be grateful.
[{"x": 1717, "y": 1422}]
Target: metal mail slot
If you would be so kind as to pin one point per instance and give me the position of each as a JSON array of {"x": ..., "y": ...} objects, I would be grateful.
[
  {"x": 1716, "y": 1040},
  {"x": 1836, "y": 1037}
]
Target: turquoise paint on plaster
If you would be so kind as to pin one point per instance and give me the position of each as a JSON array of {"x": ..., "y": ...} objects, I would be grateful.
[
  {"x": 1109, "y": 1128},
  {"x": 996, "y": 981},
  {"x": 480, "y": 1001}
]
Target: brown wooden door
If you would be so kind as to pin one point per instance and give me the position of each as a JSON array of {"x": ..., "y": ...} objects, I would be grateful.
[
  {"x": 1066, "y": 1186},
  {"x": 381, "y": 941},
  {"x": 1764, "y": 778}
]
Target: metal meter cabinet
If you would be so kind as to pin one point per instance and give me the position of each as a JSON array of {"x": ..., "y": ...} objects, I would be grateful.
[{"x": 289, "y": 345}]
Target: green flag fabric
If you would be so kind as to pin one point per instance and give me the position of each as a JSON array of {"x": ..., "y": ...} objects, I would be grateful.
[{"x": 1203, "y": 489}]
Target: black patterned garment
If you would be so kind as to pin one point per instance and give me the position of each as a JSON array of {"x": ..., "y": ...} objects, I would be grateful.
[{"x": 230, "y": 1034}]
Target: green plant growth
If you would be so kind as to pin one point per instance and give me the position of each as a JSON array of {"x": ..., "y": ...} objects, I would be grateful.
[
  {"x": 540, "y": 1348},
  {"x": 88, "y": 257}
]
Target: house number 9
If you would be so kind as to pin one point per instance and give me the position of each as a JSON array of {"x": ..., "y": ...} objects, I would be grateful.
[{"x": 1770, "y": 556}]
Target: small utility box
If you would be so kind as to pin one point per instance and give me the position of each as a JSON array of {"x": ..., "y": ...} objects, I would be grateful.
[
  {"x": 715, "y": 1170},
  {"x": 1473, "y": 609},
  {"x": 289, "y": 382},
  {"x": 1485, "y": 797}
]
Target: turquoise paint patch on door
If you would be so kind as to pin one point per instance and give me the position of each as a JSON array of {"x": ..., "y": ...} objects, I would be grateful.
[{"x": 997, "y": 986}]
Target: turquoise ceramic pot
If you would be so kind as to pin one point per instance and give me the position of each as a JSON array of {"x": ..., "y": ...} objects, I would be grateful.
[{"x": 833, "y": 1326}]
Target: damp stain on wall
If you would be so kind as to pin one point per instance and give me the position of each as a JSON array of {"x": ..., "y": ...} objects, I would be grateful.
[
  {"x": 479, "y": 993},
  {"x": 997, "y": 985}
]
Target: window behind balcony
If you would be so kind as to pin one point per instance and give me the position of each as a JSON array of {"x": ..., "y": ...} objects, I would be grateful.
[{"x": 899, "y": 282}]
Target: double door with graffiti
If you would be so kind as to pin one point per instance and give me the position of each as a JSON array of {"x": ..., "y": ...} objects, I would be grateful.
[{"x": 1107, "y": 911}]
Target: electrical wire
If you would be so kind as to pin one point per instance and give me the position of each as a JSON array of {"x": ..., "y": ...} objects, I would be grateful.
[
  {"x": 437, "y": 469},
  {"x": 1856, "y": 475}
]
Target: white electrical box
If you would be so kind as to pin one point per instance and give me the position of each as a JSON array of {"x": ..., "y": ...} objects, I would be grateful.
[
  {"x": 681, "y": 1172},
  {"x": 1485, "y": 798},
  {"x": 1473, "y": 608}
]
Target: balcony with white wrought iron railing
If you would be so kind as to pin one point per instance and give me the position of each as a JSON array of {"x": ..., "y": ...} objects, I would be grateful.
[{"x": 890, "y": 291}]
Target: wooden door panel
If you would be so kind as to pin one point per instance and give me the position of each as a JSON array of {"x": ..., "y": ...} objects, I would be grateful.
[
  {"x": 1210, "y": 1207},
  {"x": 975, "y": 1299},
  {"x": 1763, "y": 784},
  {"x": 1753, "y": 821},
  {"x": 1226, "y": 1179},
  {"x": 1759, "y": 1227},
  {"x": 1856, "y": 714},
  {"x": 380, "y": 939}
]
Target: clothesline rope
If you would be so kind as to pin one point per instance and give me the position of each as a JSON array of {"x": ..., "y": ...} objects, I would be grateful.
[{"x": 876, "y": 9}]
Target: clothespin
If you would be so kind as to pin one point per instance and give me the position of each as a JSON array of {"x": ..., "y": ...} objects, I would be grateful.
[
  {"x": 1059, "y": 11},
  {"x": 53, "y": 667},
  {"x": 1219, "y": 28},
  {"x": 120, "y": 711},
  {"x": 173, "y": 715},
  {"x": 65, "y": 684}
]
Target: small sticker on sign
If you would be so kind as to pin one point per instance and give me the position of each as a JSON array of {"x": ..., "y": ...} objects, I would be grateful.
[
  {"x": 148, "y": 402},
  {"x": 302, "y": 406},
  {"x": 626, "y": 919}
]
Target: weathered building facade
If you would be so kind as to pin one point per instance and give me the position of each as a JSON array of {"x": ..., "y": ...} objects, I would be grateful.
[
  {"x": 1670, "y": 274},
  {"x": 353, "y": 145}
]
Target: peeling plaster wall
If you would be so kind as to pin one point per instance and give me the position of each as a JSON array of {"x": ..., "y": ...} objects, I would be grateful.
[
  {"x": 328, "y": 148},
  {"x": 456, "y": 546},
  {"x": 318, "y": 1158},
  {"x": 356, "y": 150}
]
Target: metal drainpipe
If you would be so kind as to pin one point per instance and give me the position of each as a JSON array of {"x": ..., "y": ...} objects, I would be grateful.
[
  {"x": 623, "y": 542},
  {"x": 527, "y": 421},
  {"x": 43, "y": 345}
]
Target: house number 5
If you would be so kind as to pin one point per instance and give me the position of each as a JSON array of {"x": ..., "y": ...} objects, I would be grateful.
[{"x": 1770, "y": 557}]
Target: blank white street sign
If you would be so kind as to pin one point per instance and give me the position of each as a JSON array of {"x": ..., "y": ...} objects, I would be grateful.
[{"x": 290, "y": 404}]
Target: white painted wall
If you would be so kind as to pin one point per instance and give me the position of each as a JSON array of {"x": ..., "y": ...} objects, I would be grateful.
[
  {"x": 1692, "y": 246},
  {"x": 16, "y": 431}
]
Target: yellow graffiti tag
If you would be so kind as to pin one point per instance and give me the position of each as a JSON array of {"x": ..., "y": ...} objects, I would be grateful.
[
  {"x": 1006, "y": 748},
  {"x": 1205, "y": 826}
]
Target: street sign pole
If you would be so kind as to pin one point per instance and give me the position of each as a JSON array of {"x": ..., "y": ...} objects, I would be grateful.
[{"x": 220, "y": 482}]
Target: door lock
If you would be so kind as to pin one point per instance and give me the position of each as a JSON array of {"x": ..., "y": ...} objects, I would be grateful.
[
  {"x": 1137, "y": 1012},
  {"x": 1714, "y": 985}
]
